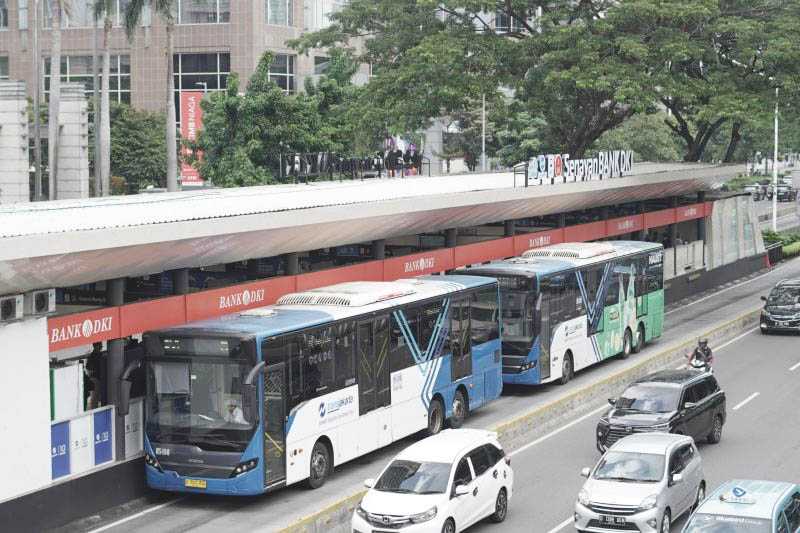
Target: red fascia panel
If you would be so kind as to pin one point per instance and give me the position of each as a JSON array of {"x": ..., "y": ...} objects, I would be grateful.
[
  {"x": 479, "y": 252},
  {"x": 623, "y": 225},
  {"x": 690, "y": 212},
  {"x": 371, "y": 271},
  {"x": 408, "y": 266},
  {"x": 709, "y": 208},
  {"x": 218, "y": 302},
  {"x": 585, "y": 232},
  {"x": 80, "y": 329},
  {"x": 537, "y": 239},
  {"x": 656, "y": 219},
  {"x": 152, "y": 314}
]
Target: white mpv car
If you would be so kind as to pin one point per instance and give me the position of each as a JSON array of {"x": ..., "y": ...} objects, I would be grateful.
[
  {"x": 642, "y": 483},
  {"x": 444, "y": 483}
]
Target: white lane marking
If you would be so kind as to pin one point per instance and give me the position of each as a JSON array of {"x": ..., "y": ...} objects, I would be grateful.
[
  {"x": 559, "y": 430},
  {"x": 746, "y": 400},
  {"x": 135, "y": 516},
  {"x": 742, "y": 284},
  {"x": 795, "y": 367},
  {"x": 562, "y": 525}
]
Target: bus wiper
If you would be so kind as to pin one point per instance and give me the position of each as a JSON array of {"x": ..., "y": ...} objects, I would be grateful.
[{"x": 216, "y": 441}]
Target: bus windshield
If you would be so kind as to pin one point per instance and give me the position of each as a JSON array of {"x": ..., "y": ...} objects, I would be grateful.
[{"x": 198, "y": 402}]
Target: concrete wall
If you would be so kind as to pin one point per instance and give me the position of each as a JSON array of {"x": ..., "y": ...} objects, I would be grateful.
[
  {"x": 24, "y": 409},
  {"x": 733, "y": 232},
  {"x": 14, "y": 176},
  {"x": 73, "y": 151}
]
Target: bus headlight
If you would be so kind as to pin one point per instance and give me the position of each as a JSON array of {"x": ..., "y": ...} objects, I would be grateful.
[
  {"x": 244, "y": 466},
  {"x": 152, "y": 461},
  {"x": 430, "y": 514}
]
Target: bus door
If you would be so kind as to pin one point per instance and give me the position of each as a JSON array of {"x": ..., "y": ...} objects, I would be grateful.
[
  {"x": 461, "y": 340},
  {"x": 374, "y": 385},
  {"x": 543, "y": 312},
  {"x": 640, "y": 287},
  {"x": 274, "y": 423}
]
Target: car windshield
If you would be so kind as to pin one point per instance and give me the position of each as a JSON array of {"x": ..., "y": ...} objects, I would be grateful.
[
  {"x": 198, "y": 402},
  {"x": 784, "y": 296},
  {"x": 630, "y": 466},
  {"x": 649, "y": 398},
  {"x": 414, "y": 478},
  {"x": 717, "y": 523}
]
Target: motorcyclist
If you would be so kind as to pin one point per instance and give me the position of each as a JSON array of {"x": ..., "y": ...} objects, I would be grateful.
[{"x": 702, "y": 353}]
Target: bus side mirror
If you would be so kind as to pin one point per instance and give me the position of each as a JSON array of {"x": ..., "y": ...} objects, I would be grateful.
[
  {"x": 763, "y": 298},
  {"x": 124, "y": 388}
]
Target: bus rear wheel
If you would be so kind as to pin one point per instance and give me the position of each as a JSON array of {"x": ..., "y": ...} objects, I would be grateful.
[
  {"x": 435, "y": 417},
  {"x": 627, "y": 343},
  {"x": 460, "y": 409},
  {"x": 320, "y": 465},
  {"x": 567, "y": 369},
  {"x": 639, "y": 344}
]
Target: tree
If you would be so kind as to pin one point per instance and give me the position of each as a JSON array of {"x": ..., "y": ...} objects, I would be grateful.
[
  {"x": 646, "y": 135},
  {"x": 104, "y": 9},
  {"x": 57, "y": 8},
  {"x": 165, "y": 9},
  {"x": 243, "y": 137},
  {"x": 138, "y": 152}
]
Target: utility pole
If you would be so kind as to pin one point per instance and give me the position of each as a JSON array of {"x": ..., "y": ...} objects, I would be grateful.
[
  {"x": 775, "y": 168},
  {"x": 37, "y": 120},
  {"x": 98, "y": 172},
  {"x": 483, "y": 132}
]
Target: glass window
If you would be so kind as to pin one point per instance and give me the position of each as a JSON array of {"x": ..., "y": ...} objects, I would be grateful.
[
  {"x": 463, "y": 475},
  {"x": 484, "y": 316},
  {"x": 321, "y": 64},
  {"x": 655, "y": 271},
  {"x": 79, "y": 69},
  {"x": 295, "y": 359},
  {"x": 429, "y": 316},
  {"x": 279, "y": 12},
  {"x": 204, "y": 11},
  {"x": 282, "y": 72},
  {"x": 22, "y": 14},
  {"x": 400, "y": 355},
  {"x": 793, "y": 512},
  {"x": 273, "y": 351},
  {"x": 344, "y": 351},
  {"x": 504, "y": 23},
  {"x": 318, "y": 356},
  {"x": 716, "y": 523},
  {"x": 630, "y": 466},
  {"x": 612, "y": 293},
  {"x": 4, "y": 14},
  {"x": 696, "y": 393},
  {"x": 480, "y": 460},
  {"x": 81, "y": 15},
  {"x": 649, "y": 398},
  {"x": 460, "y": 334},
  {"x": 200, "y": 72},
  {"x": 3, "y": 67},
  {"x": 414, "y": 478},
  {"x": 495, "y": 454}
]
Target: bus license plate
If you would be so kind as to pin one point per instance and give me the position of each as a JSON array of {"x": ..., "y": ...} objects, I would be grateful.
[
  {"x": 615, "y": 520},
  {"x": 195, "y": 483}
]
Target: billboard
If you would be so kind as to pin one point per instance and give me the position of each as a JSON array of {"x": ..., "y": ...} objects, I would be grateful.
[{"x": 191, "y": 123}]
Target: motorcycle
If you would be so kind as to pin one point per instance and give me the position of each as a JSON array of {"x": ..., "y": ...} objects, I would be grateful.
[{"x": 698, "y": 363}]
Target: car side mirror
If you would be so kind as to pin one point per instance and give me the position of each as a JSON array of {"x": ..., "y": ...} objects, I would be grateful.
[
  {"x": 586, "y": 471},
  {"x": 462, "y": 490},
  {"x": 764, "y": 298},
  {"x": 369, "y": 483},
  {"x": 676, "y": 478},
  {"x": 689, "y": 405},
  {"x": 612, "y": 401}
]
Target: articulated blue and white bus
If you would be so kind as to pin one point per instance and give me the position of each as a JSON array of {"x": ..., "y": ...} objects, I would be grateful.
[{"x": 265, "y": 398}]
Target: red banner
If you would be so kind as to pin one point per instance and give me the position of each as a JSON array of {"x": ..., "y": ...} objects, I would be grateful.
[
  {"x": 623, "y": 225},
  {"x": 218, "y": 302},
  {"x": 191, "y": 123},
  {"x": 585, "y": 232},
  {"x": 537, "y": 239},
  {"x": 409, "y": 266},
  {"x": 80, "y": 329},
  {"x": 690, "y": 212},
  {"x": 152, "y": 314},
  {"x": 371, "y": 271},
  {"x": 656, "y": 219},
  {"x": 479, "y": 252}
]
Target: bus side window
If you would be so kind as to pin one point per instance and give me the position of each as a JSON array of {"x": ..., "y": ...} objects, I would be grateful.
[
  {"x": 429, "y": 316},
  {"x": 484, "y": 317},
  {"x": 344, "y": 343},
  {"x": 400, "y": 355},
  {"x": 295, "y": 359},
  {"x": 318, "y": 358},
  {"x": 273, "y": 351}
]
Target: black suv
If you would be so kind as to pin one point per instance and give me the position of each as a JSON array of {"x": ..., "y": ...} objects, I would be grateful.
[
  {"x": 782, "y": 307},
  {"x": 688, "y": 402}
]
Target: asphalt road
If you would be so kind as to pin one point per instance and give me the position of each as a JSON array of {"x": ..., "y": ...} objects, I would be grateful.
[
  {"x": 271, "y": 512},
  {"x": 761, "y": 438}
]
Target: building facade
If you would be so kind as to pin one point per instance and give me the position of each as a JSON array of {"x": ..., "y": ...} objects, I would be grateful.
[{"x": 212, "y": 39}]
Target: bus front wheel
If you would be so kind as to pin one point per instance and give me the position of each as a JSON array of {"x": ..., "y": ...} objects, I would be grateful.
[
  {"x": 627, "y": 343},
  {"x": 567, "y": 368},
  {"x": 320, "y": 465}
]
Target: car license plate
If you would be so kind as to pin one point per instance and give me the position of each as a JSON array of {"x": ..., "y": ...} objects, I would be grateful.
[
  {"x": 195, "y": 483},
  {"x": 616, "y": 520}
]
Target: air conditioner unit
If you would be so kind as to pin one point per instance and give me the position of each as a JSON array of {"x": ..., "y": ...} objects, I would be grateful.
[
  {"x": 40, "y": 302},
  {"x": 11, "y": 307}
]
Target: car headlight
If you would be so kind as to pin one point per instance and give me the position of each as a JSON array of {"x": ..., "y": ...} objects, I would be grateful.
[
  {"x": 649, "y": 502},
  {"x": 583, "y": 497},
  {"x": 430, "y": 514},
  {"x": 361, "y": 512},
  {"x": 659, "y": 427}
]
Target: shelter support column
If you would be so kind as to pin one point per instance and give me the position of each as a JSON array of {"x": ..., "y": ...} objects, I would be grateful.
[
  {"x": 451, "y": 237},
  {"x": 641, "y": 235},
  {"x": 562, "y": 220},
  {"x": 292, "y": 264},
  {"x": 379, "y": 249},
  {"x": 115, "y": 364},
  {"x": 701, "y": 225},
  {"x": 180, "y": 281},
  {"x": 673, "y": 234},
  {"x": 509, "y": 228}
]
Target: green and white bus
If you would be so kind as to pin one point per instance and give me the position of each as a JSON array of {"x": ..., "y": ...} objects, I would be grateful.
[{"x": 568, "y": 306}]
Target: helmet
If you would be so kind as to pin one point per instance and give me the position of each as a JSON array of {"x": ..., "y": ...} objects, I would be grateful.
[{"x": 703, "y": 342}]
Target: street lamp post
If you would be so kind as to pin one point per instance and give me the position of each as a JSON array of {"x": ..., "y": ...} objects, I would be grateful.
[
  {"x": 775, "y": 169},
  {"x": 483, "y": 133},
  {"x": 204, "y": 85},
  {"x": 37, "y": 122}
]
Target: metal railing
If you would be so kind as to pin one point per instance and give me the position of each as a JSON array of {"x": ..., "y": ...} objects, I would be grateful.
[{"x": 306, "y": 167}]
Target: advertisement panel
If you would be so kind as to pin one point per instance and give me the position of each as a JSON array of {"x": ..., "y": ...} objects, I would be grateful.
[
  {"x": 80, "y": 444},
  {"x": 103, "y": 436},
  {"x": 409, "y": 266},
  {"x": 237, "y": 298},
  {"x": 585, "y": 232},
  {"x": 83, "y": 328},
  {"x": 152, "y": 314},
  {"x": 479, "y": 252},
  {"x": 690, "y": 212},
  {"x": 59, "y": 449},
  {"x": 656, "y": 219},
  {"x": 623, "y": 225},
  {"x": 134, "y": 439},
  {"x": 371, "y": 271},
  {"x": 191, "y": 123},
  {"x": 538, "y": 239}
]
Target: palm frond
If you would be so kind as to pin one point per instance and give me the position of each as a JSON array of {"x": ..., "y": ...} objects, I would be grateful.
[{"x": 133, "y": 14}]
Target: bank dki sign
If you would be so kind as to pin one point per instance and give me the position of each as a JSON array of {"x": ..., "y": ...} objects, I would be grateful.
[{"x": 560, "y": 168}]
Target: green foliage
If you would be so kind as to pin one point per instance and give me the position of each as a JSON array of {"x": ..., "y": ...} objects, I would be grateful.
[
  {"x": 138, "y": 147},
  {"x": 791, "y": 250},
  {"x": 646, "y": 135},
  {"x": 786, "y": 239}
]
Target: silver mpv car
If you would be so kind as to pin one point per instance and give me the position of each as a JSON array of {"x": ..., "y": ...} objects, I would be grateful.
[{"x": 642, "y": 483}]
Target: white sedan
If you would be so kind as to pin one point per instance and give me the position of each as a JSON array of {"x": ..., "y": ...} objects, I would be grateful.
[{"x": 444, "y": 483}]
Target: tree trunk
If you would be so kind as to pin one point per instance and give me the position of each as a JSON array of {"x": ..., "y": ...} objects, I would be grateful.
[
  {"x": 55, "y": 100},
  {"x": 172, "y": 141},
  {"x": 98, "y": 173},
  {"x": 105, "y": 110},
  {"x": 736, "y": 136}
]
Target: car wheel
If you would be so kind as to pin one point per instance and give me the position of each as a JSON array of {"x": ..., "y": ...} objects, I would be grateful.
[
  {"x": 435, "y": 417},
  {"x": 626, "y": 344},
  {"x": 665, "y": 521},
  {"x": 567, "y": 369},
  {"x": 701, "y": 495},
  {"x": 637, "y": 347},
  {"x": 716, "y": 431},
  {"x": 460, "y": 408},
  {"x": 765, "y": 331},
  {"x": 449, "y": 526},
  {"x": 320, "y": 465},
  {"x": 500, "y": 507}
]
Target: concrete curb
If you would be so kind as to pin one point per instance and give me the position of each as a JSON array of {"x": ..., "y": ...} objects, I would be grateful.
[{"x": 529, "y": 426}]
